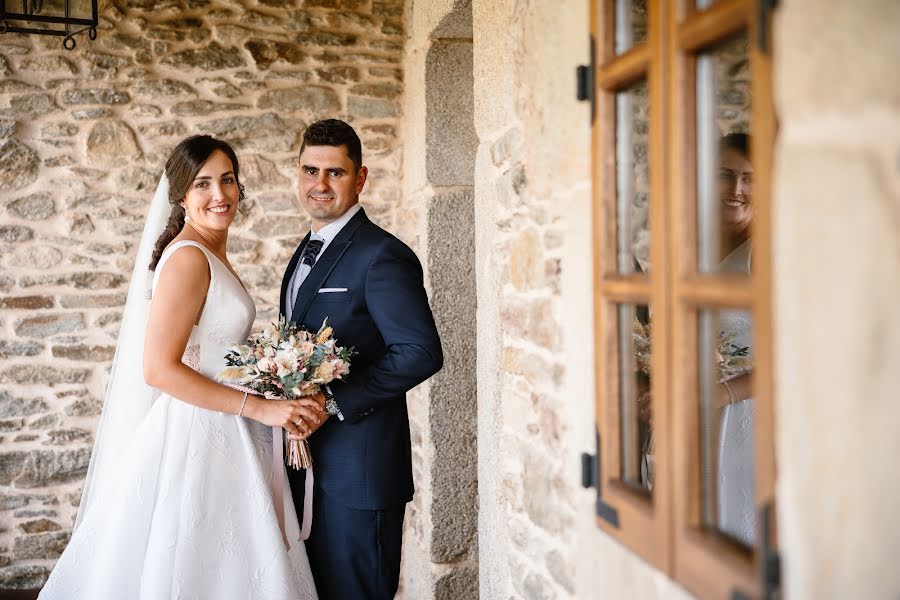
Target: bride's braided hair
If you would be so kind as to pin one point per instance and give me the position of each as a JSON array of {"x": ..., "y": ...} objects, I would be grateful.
[{"x": 182, "y": 167}]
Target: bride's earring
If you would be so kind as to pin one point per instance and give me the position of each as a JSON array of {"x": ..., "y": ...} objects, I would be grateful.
[{"x": 187, "y": 219}]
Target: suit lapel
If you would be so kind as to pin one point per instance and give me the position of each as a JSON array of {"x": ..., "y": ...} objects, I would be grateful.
[
  {"x": 325, "y": 265},
  {"x": 289, "y": 273}
]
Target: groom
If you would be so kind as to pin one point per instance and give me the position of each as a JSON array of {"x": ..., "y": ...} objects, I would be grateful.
[{"x": 369, "y": 286}]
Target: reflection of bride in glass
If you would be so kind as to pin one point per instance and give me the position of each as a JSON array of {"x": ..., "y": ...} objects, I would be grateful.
[
  {"x": 734, "y": 446},
  {"x": 731, "y": 334}
]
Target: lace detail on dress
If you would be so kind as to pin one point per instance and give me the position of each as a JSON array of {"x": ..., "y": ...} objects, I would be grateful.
[
  {"x": 191, "y": 356},
  {"x": 221, "y": 332}
]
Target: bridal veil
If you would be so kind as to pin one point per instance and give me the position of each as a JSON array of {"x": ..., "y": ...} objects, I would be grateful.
[{"x": 128, "y": 398}]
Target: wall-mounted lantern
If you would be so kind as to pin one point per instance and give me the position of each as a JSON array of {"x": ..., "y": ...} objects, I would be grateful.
[{"x": 43, "y": 17}]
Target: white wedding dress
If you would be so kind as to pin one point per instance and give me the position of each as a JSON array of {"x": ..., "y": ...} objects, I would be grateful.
[
  {"x": 736, "y": 512},
  {"x": 188, "y": 511}
]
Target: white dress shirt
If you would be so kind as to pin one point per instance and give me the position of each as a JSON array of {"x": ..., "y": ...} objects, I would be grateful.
[{"x": 326, "y": 234}]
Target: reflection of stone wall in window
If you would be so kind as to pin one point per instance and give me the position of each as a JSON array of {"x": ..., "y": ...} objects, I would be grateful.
[
  {"x": 639, "y": 19},
  {"x": 733, "y": 87},
  {"x": 639, "y": 216},
  {"x": 631, "y": 24}
]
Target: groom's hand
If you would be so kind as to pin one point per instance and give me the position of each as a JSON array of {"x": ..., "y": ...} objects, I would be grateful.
[{"x": 314, "y": 418}]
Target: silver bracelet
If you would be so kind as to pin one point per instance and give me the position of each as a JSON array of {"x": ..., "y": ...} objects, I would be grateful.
[
  {"x": 243, "y": 402},
  {"x": 731, "y": 399}
]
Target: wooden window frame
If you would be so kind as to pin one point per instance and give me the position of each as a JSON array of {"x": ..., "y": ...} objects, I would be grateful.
[
  {"x": 643, "y": 522},
  {"x": 665, "y": 528}
]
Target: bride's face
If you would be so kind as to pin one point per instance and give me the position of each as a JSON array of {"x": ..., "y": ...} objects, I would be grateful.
[
  {"x": 736, "y": 192},
  {"x": 212, "y": 198}
]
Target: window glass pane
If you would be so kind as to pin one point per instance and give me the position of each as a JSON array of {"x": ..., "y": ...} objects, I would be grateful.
[
  {"x": 724, "y": 173},
  {"x": 632, "y": 179},
  {"x": 634, "y": 396},
  {"x": 631, "y": 24},
  {"x": 726, "y": 423}
]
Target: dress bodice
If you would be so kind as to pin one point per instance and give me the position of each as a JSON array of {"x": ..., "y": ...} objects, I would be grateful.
[{"x": 227, "y": 315}]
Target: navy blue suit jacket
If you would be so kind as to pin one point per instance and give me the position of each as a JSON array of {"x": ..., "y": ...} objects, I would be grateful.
[{"x": 365, "y": 461}]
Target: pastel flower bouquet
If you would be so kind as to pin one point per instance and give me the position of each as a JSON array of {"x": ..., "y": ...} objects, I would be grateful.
[{"x": 286, "y": 361}]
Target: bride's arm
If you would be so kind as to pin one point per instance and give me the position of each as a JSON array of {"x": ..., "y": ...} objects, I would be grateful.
[
  {"x": 736, "y": 389},
  {"x": 177, "y": 302}
]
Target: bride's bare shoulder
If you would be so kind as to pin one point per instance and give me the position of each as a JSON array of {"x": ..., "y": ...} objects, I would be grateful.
[{"x": 186, "y": 264}]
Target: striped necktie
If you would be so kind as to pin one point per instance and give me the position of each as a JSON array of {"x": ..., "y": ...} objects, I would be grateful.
[
  {"x": 307, "y": 260},
  {"x": 313, "y": 246}
]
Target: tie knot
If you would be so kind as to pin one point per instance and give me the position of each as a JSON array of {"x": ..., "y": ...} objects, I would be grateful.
[{"x": 311, "y": 251}]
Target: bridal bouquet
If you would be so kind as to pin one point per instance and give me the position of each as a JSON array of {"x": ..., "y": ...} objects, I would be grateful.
[
  {"x": 286, "y": 361},
  {"x": 732, "y": 360}
]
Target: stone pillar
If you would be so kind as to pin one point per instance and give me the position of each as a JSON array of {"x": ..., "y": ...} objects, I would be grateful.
[{"x": 440, "y": 551}]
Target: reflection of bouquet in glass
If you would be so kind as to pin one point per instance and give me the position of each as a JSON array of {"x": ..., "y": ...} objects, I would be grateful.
[
  {"x": 286, "y": 361},
  {"x": 732, "y": 360},
  {"x": 640, "y": 337}
]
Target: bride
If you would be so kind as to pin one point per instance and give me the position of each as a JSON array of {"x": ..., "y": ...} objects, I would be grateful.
[{"x": 179, "y": 499}]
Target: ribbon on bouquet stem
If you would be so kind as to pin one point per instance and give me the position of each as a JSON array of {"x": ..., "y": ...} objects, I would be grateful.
[
  {"x": 306, "y": 528},
  {"x": 278, "y": 463}
]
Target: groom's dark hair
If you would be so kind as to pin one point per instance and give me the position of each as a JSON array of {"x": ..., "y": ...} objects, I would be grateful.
[{"x": 334, "y": 132}]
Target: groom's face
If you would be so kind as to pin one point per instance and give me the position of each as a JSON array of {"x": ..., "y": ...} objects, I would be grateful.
[{"x": 329, "y": 183}]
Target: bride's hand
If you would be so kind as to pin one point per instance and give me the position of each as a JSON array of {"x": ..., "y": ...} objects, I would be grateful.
[{"x": 298, "y": 417}]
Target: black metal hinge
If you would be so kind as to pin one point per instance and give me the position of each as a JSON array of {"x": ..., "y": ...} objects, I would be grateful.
[
  {"x": 590, "y": 477},
  {"x": 764, "y": 10},
  {"x": 770, "y": 561},
  {"x": 584, "y": 75}
]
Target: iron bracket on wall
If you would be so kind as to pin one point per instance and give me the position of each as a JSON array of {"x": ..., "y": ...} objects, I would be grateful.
[
  {"x": 584, "y": 86},
  {"x": 31, "y": 15},
  {"x": 590, "y": 477}
]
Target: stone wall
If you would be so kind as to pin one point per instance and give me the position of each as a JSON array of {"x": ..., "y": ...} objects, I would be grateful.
[
  {"x": 83, "y": 139},
  {"x": 532, "y": 197}
]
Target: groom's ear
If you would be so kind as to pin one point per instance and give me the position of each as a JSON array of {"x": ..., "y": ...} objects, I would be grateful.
[{"x": 361, "y": 179}]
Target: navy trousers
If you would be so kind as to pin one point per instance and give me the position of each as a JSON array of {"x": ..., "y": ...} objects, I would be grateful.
[{"x": 354, "y": 554}]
